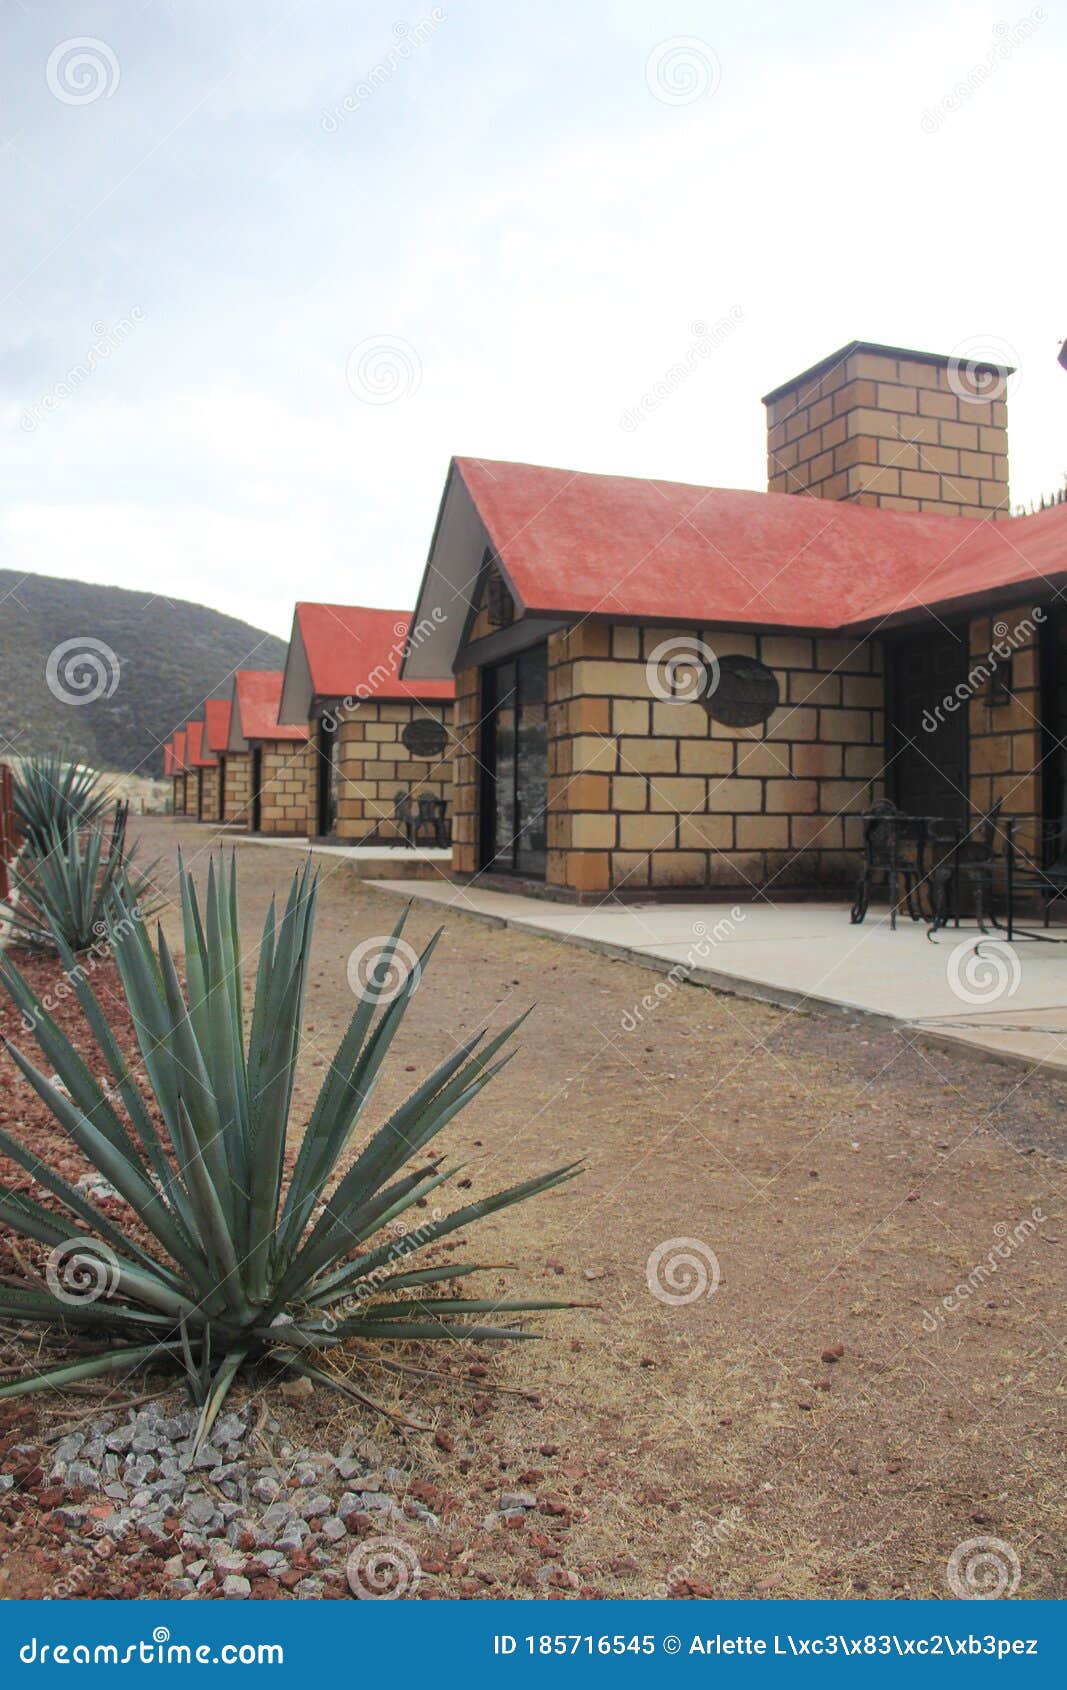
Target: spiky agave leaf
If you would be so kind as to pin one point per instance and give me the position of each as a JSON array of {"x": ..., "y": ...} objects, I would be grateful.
[
  {"x": 50, "y": 791},
  {"x": 240, "y": 1268}
]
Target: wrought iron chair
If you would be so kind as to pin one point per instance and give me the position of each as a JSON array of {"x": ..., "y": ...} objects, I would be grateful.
[
  {"x": 432, "y": 818},
  {"x": 1047, "y": 881},
  {"x": 971, "y": 862},
  {"x": 402, "y": 823},
  {"x": 892, "y": 846}
]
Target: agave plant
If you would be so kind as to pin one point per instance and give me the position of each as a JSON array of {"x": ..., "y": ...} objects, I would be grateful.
[
  {"x": 244, "y": 1265},
  {"x": 51, "y": 793},
  {"x": 62, "y": 886}
]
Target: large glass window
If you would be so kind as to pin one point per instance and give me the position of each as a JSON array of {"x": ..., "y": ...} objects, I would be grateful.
[{"x": 514, "y": 745}]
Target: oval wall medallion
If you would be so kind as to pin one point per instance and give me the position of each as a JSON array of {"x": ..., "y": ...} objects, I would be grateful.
[
  {"x": 746, "y": 694},
  {"x": 424, "y": 737}
]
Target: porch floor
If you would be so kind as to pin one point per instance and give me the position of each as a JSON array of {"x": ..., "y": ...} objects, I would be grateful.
[{"x": 1010, "y": 1002}]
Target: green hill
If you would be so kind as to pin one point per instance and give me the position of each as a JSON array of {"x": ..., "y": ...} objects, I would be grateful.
[{"x": 106, "y": 675}]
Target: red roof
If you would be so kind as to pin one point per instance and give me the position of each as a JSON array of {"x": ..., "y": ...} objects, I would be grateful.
[
  {"x": 194, "y": 743},
  {"x": 168, "y": 758},
  {"x": 217, "y": 723},
  {"x": 257, "y": 694},
  {"x": 610, "y": 545},
  {"x": 355, "y": 652},
  {"x": 179, "y": 752}
]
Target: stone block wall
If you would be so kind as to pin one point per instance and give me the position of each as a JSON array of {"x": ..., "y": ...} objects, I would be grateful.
[
  {"x": 645, "y": 793},
  {"x": 178, "y": 797},
  {"x": 1005, "y": 737},
  {"x": 192, "y": 792},
  {"x": 375, "y": 764},
  {"x": 287, "y": 793},
  {"x": 238, "y": 796},
  {"x": 894, "y": 432}
]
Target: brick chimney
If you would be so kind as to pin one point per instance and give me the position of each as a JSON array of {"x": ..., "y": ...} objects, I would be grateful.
[{"x": 907, "y": 431}]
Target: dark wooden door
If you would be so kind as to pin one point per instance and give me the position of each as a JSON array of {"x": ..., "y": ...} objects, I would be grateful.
[
  {"x": 329, "y": 773},
  {"x": 927, "y": 727},
  {"x": 515, "y": 765},
  {"x": 1053, "y": 660},
  {"x": 257, "y": 783}
]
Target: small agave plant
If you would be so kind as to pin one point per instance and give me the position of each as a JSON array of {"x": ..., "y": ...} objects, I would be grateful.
[
  {"x": 243, "y": 1267},
  {"x": 63, "y": 883}
]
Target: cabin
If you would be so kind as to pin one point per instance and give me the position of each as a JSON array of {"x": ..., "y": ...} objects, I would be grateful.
[
  {"x": 382, "y": 745},
  {"x": 690, "y": 689},
  {"x": 274, "y": 768},
  {"x": 194, "y": 738},
  {"x": 235, "y": 767},
  {"x": 213, "y": 770},
  {"x": 205, "y": 766}
]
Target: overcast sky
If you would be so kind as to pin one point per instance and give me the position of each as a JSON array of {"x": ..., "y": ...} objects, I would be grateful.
[{"x": 268, "y": 265}]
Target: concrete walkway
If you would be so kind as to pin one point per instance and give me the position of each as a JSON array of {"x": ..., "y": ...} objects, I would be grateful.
[
  {"x": 1008, "y": 1001},
  {"x": 422, "y": 861}
]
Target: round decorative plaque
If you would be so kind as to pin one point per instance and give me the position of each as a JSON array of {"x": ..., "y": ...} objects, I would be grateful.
[
  {"x": 425, "y": 737},
  {"x": 745, "y": 695}
]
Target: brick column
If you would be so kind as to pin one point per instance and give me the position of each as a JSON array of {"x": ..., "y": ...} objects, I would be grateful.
[{"x": 466, "y": 772}]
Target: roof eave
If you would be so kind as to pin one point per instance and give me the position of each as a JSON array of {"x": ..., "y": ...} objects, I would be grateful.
[{"x": 453, "y": 564}]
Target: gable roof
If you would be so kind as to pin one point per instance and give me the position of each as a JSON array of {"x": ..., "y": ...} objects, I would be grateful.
[
  {"x": 194, "y": 747},
  {"x": 178, "y": 743},
  {"x": 256, "y": 696},
  {"x": 571, "y": 544},
  {"x": 217, "y": 723},
  {"x": 168, "y": 759},
  {"x": 350, "y": 651}
]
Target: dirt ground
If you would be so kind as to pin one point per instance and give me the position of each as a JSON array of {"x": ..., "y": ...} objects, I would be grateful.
[{"x": 793, "y": 1410}]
